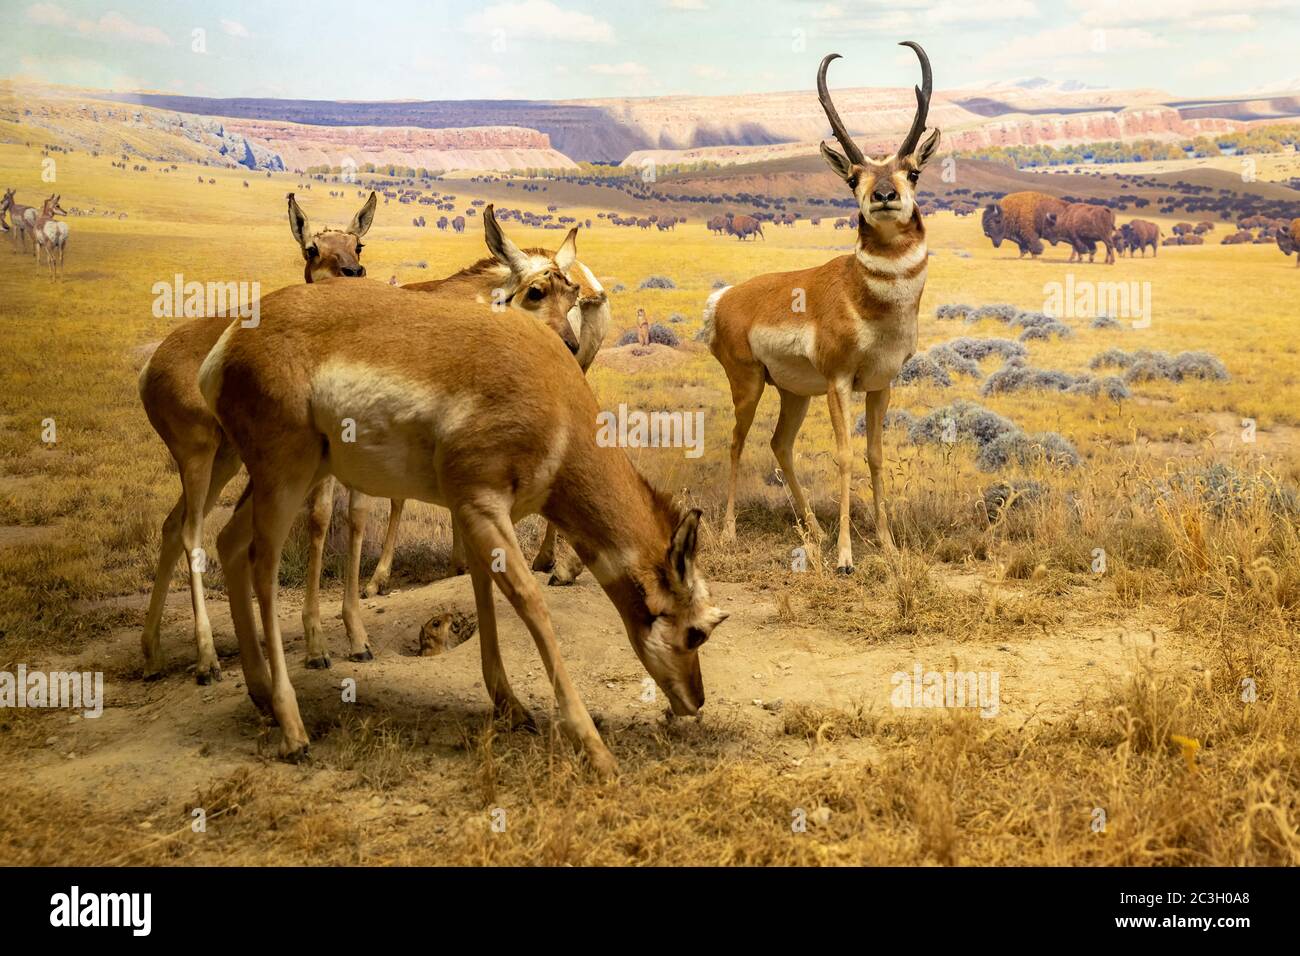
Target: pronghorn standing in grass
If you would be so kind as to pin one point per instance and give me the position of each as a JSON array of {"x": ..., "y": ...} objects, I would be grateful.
[
  {"x": 50, "y": 235},
  {"x": 205, "y": 458},
  {"x": 485, "y": 413},
  {"x": 846, "y": 326},
  {"x": 18, "y": 214}
]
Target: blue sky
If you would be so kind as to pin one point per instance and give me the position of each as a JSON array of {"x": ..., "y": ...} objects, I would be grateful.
[{"x": 567, "y": 49}]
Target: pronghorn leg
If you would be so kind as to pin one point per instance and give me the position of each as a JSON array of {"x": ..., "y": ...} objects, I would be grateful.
[
  {"x": 505, "y": 705},
  {"x": 196, "y": 478},
  {"x": 320, "y": 506},
  {"x": 458, "y": 563},
  {"x": 544, "y": 560},
  {"x": 359, "y": 644},
  {"x": 837, "y": 398},
  {"x": 745, "y": 393},
  {"x": 168, "y": 555},
  {"x": 485, "y": 529},
  {"x": 274, "y": 508},
  {"x": 793, "y": 409},
  {"x": 379, "y": 580},
  {"x": 567, "y": 564},
  {"x": 877, "y": 405},
  {"x": 232, "y": 546}
]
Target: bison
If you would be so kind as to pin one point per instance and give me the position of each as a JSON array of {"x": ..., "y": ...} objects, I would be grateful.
[
  {"x": 458, "y": 224},
  {"x": 1288, "y": 240},
  {"x": 1020, "y": 218},
  {"x": 1139, "y": 234},
  {"x": 1082, "y": 225},
  {"x": 742, "y": 227}
]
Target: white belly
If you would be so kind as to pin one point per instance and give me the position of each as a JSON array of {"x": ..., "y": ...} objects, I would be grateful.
[{"x": 786, "y": 353}]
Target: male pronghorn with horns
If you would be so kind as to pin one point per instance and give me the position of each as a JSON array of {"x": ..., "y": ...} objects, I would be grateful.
[{"x": 846, "y": 326}]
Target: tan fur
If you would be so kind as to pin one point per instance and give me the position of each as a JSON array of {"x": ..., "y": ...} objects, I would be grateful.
[
  {"x": 486, "y": 413},
  {"x": 841, "y": 327}
]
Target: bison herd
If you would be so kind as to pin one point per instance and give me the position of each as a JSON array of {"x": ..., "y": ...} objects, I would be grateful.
[{"x": 1029, "y": 219}]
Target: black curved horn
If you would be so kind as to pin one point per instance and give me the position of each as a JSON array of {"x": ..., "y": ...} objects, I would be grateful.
[
  {"x": 837, "y": 125},
  {"x": 922, "y": 101}
]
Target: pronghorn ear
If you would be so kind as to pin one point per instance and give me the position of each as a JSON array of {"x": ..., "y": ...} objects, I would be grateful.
[
  {"x": 927, "y": 149},
  {"x": 838, "y": 162},
  {"x": 505, "y": 251},
  {"x": 568, "y": 250},
  {"x": 361, "y": 222},
  {"x": 681, "y": 551},
  {"x": 297, "y": 222}
]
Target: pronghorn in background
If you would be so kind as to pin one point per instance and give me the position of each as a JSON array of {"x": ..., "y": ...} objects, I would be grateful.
[
  {"x": 18, "y": 219},
  {"x": 205, "y": 459},
  {"x": 484, "y": 413},
  {"x": 847, "y": 326},
  {"x": 50, "y": 235}
]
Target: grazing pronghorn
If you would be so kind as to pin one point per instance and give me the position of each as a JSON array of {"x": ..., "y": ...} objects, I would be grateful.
[
  {"x": 50, "y": 235},
  {"x": 485, "y": 413},
  {"x": 206, "y": 460},
  {"x": 18, "y": 217},
  {"x": 846, "y": 326}
]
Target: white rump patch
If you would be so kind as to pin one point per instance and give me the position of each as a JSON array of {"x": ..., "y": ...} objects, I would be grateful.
[
  {"x": 710, "y": 309},
  {"x": 212, "y": 367}
]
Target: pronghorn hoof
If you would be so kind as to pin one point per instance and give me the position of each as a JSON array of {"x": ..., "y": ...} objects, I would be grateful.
[
  {"x": 208, "y": 675},
  {"x": 319, "y": 663},
  {"x": 153, "y": 675},
  {"x": 844, "y": 569},
  {"x": 300, "y": 755},
  {"x": 359, "y": 656}
]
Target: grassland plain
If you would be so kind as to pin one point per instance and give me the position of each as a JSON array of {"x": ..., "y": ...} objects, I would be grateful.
[{"x": 1200, "y": 592}]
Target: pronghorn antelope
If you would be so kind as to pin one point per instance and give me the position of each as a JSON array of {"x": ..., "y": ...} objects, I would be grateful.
[
  {"x": 486, "y": 414},
  {"x": 18, "y": 217},
  {"x": 846, "y": 326},
  {"x": 50, "y": 235},
  {"x": 206, "y": 461},
  {"x": 489, "y": 280},
  {"x": 205, "y": 458}
]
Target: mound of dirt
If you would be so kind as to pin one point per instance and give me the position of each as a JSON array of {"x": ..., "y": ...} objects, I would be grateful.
[{"x": 639, "y": 358}]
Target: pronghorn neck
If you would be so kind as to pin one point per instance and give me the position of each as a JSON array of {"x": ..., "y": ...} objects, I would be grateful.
[
  {"x": 617, "y": 522},
  {"x": 890, "y": 241}
]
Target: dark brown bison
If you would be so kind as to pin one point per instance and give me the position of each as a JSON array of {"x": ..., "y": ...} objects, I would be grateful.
[
  {"x": 718, "y": 224},
  {"x": 1139, "y": 234},
  {"x": 1183, "y": 228},
  {"x": 458, "y": 224},
  {"x": 1083, "y": 225},
  {"x": 1020, "y": 218},
  {"x": 1119, "y": 242},
  {"x": 742, "y": 227},
  {"x": 1288, "y": 240}
]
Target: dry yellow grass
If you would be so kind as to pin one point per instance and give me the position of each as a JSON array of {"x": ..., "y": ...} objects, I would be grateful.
[{"x": 931, "y": 789}]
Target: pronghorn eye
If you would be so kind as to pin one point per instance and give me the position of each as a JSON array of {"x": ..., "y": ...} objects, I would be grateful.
[
  {"x": 359, "y": 248},
  {"x": 695, "y": 636},
  {"x": 312, "y": 252},
  {"x": 853, "y": 181},
  {"x": 535, "y": 294},
  {"x": 913, "y": 176}
]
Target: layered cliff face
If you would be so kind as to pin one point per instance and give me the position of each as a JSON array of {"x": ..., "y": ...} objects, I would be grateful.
[{"x": 483, "y": 147}]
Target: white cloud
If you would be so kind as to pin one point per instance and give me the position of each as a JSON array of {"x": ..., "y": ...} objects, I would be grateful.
[
  {"x": 688, "y": 4},
  {"x": 539, "y": 18},
  {"x": 1053, "y": 45},
  {"x": 1229, "y": 23},
  {"x": 619, "y": 69},
  {"x": 980, "y": 11},
  {"x": 234, "y": 28},
  {"x": 1105, "y": 13},
  {"x": 111, "y": 26}
]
